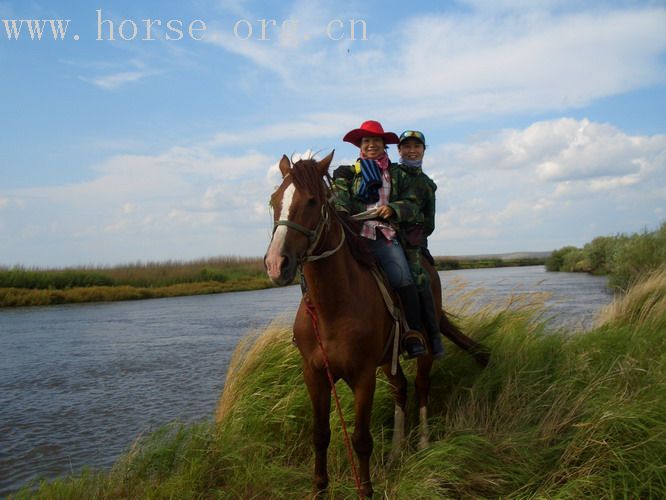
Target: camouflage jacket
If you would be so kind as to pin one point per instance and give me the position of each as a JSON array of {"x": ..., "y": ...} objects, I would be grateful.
[
  {"x": 425, "y": 188},
  {"x": 404, "y": 197}
]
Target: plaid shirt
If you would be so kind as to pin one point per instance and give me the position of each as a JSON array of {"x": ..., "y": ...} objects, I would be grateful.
[{"x": 369, "y": 229}]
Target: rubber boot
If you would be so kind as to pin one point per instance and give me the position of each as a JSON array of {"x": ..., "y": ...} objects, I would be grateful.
[
  {"x": 431, "y": 325},
  {"x": 412, "y": 309}
]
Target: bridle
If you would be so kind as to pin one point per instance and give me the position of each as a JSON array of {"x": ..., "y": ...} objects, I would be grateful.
[{"x": 314, "y": 235}]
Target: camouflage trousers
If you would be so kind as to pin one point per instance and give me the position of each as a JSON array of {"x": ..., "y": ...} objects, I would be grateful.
[{"x": 419, "y": 274}]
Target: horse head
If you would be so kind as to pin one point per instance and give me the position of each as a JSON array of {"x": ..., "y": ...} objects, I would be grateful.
[{"x": 300, "y": 216}]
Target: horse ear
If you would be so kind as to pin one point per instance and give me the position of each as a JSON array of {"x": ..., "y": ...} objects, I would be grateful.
[
  {"x": 285, "y": 165},
  {"x": 325, "y": 163}
]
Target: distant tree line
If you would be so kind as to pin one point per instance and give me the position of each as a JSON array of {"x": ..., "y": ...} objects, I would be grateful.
[
  {"x": 452, "y": 263},
  {"x": 622, "y": 257}
]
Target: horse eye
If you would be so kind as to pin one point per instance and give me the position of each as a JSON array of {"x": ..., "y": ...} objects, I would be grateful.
[{"x": 311, "y": 202}]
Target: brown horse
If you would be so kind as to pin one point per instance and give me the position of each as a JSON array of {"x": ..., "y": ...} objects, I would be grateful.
[{"x": 354, "y": 322}]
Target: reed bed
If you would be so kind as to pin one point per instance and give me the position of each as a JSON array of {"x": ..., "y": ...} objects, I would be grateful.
[
  {"x": 554, "y": 415},
  {"x": 21, "y": 286}
]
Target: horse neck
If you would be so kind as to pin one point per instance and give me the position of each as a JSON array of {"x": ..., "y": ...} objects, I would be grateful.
[{"x": 328, "y": 279}]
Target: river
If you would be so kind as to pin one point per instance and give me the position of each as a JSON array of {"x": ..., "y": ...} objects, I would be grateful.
[{"x": 78, "y": 383}]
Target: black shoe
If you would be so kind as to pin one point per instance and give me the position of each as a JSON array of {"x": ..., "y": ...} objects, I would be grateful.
[{"x": 414, "y": 349}]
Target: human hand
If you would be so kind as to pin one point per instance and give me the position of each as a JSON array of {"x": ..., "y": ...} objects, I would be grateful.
[{"x": 385, "y": 212}]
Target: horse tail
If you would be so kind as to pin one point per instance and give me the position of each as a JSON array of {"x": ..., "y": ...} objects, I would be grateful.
[{"x": 479, "y": 352}]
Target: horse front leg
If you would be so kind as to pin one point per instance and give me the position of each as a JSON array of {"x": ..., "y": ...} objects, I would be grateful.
[
  {"x": 320, "y": 395},
  {"x": 422, "y": 383},
  {"x": 398, "y": 384},
  {"x": 364, "y": 392}
]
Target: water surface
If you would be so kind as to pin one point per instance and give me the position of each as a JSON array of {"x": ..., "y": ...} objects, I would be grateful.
[{"x": 78, "y": 383}]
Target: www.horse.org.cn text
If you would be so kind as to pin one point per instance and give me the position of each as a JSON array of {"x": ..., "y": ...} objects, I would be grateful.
[{"x": 152, "y": 29}]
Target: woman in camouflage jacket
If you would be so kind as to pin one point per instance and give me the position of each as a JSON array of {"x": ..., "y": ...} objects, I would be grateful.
[{"x": 411, "y": 147}]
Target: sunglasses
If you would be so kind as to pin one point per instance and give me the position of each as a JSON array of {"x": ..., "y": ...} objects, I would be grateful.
[{"x": 412, "y": 133}]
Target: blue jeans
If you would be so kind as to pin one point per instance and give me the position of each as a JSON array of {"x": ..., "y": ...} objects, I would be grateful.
[{"x": 391, "y": 257}]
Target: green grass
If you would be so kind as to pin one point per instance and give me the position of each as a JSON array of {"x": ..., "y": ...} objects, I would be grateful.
[
  {"x": 554, "y": 415},
  {"x": 20, "y": 286},
  {"x": 624, "y": 258},
  {"x": 451, "y": 263},
  {"x": 30, "y": 287}
]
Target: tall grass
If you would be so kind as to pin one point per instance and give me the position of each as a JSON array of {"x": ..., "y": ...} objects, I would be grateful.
[
  {"x": 554, "y": 415},
  {"x": 150, "y": 274},
  {"x": 31, "y": 286},
  {"x": 454, "y": 263}
]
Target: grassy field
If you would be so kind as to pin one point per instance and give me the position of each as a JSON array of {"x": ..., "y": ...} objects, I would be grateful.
[
  {"x": 554, "y": 415},
  {"x": 26, "y": 287},
  {"x": 452, "y": 263}
]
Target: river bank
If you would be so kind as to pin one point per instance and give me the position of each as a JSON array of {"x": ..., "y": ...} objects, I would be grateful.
[
  {"x": 79, "y": 382},
  {"x": 39, "y": 287},
  {"x": 553, "y": 415},
  {"x": 623, "y": 258},
  {"x": 21, "y": 287}
]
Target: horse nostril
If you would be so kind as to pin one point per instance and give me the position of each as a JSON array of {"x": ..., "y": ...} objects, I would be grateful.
[{"x": 285, "y": 263}]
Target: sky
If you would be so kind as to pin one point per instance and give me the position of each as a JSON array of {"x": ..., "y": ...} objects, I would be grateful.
[{"x": 151, "y": 131}]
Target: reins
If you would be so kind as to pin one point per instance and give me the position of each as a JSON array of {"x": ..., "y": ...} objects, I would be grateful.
[
  {"x": 313, "y": 317},
  {"x": 314, "y": 236}
]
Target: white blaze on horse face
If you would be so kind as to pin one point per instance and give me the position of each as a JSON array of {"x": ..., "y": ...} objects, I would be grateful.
[{"x": 274, "y": 256}]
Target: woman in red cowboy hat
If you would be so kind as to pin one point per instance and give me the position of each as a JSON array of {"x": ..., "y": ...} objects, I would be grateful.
[{"x": 377, "y": 186}]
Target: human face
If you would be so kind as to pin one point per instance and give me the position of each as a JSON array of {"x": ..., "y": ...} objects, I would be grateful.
[
  {"x": 372, "y": 147},
  {"x": 411, "y": 149}
]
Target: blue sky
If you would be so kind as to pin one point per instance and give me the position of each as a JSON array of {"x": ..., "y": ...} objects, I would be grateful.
[{"x": 546, "y": 121}]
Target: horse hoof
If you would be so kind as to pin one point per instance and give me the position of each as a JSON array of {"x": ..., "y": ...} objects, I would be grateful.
[
  {"x": 367, "y": 492},
  {"x": 320, "y": 488},
  {"x": 319, "y": 493}
]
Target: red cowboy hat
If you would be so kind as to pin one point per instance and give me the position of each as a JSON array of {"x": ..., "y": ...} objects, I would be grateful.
[{"x": 370, "y": 128}]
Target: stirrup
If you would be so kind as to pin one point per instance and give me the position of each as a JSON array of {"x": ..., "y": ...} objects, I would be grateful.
[{"x": 413, "y": 344}]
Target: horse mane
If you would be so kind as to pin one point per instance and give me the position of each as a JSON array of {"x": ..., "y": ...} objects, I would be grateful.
[{"x": 306, "y": 177}]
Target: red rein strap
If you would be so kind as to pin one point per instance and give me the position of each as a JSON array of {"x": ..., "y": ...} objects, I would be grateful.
[{"x": 313, "y": 316}]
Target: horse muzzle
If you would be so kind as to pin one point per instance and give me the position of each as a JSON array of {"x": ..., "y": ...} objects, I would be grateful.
[{"x": 281, "y": 268}]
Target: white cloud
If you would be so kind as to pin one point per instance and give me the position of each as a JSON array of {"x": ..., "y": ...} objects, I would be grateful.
[
  {"x": 117, "y": 80},
  {"x": 535, "y": 188},
  {"x": 528, "y": 62},
  {"x": 177, "y": 204},
  {"x": 310, "y": 126},
  {"x": 563, "y": 149},
  {"x": 467, "y": 64},
  {"x": 540, "y": 183},
  {"x": 236, "y": 7}
]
